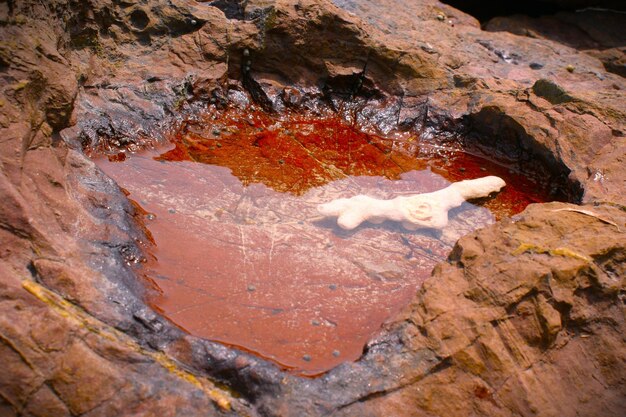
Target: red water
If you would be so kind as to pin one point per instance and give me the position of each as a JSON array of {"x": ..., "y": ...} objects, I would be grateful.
[{"x": 241, "y": 256}]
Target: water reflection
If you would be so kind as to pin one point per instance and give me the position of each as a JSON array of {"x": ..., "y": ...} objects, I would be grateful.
[
  {"x": 258, "y": 268},
  {"x": 241, "y": 255}
]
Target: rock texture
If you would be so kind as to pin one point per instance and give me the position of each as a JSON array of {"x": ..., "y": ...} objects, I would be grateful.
[
  {"x": 597, "y": 32},
  {"x": 526, "y": 318},
  {"x": 521, "y": 317}
]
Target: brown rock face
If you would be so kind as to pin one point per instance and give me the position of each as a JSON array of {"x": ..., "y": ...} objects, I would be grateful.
[
  {"x": 525, "y": 318},
  {"x": 597, "y": 32},
  {"x": 518, "y": 332}
]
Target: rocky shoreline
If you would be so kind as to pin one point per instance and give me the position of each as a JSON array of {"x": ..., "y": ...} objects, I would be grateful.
[{"x": 525, "y": 318}]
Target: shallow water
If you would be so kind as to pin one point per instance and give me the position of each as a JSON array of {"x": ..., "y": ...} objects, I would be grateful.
[{"x": 241, "y": 256}]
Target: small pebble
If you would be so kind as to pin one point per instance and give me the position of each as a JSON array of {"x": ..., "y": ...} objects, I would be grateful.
[
  {"x": 216, "y": 132},
  {"x": 306, "y": 358},
  {"x": 462, "y": 169},
  {"x": 428, "y": 48},
  {"x": 441, "y": 17},
  {"x": 251, "y": 288},
  {"x": 332, "y": 287},
  {"x": 535, "y": 65},
  {"x": 219, "y": 145},
  {"x": 336, "y": 353},
  {"x": 150, "y": 216},
  {"x": 281, "y": 161},
  {"x": 194, "y": 22},
  {"x": 483, "y": 169},
  {"x": 315, "y": 322},
  {"x": 171, "y": 211},
  {"x": 246, "y": 52},
  {"x": 570, "y": 68}
]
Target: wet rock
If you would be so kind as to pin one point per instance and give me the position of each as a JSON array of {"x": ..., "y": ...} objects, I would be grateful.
[
  {"x": 526, "y": 317},
  {"x": 501, "y": 320}
]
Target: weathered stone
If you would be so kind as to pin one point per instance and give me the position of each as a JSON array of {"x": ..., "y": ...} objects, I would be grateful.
[
  {"x": 80, "y": 376},
  {"x": 526, "y": 317},
  {"x": 45, "y": 403},
  {"x": 596, "y": 32},
  {"x": 510, "y": 351}
]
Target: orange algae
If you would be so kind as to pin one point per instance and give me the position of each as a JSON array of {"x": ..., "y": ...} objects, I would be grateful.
[
  {"x": 239, "y": 257},
  {"x": 289, "y": 155}
]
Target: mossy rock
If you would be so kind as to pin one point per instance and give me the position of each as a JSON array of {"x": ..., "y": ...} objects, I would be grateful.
[{"x": 552, "y": 92}]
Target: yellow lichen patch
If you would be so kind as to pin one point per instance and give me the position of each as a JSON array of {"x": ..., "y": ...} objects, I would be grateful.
[
  {"x": 218, "y": 396},
  {"x": 569, "y": 254},
  {"x": 67, "y": 310},
  {"x": 20, "y": 19},
  {"x": 20, "y": 85},
  {"x": 528, "y": 247},
  {"x": 565, "y": 252}
]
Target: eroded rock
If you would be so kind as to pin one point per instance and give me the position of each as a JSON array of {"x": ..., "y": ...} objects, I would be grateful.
[
  {"x": 513, "y": 306},
  {"x": 526, "y": 318}
]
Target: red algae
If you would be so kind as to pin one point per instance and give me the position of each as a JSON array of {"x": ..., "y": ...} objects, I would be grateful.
[
  {"x": 240, "y": 255},
  {"x": 290, "y": 155}
]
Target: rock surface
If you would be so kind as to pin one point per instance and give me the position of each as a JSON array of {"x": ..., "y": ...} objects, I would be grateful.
[
  {"x": 521, "y": 317},
  {"x": 597, "y": 32},
  {"x": 526, "y": 317}
]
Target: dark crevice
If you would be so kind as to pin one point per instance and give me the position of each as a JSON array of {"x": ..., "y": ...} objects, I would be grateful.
[
  {"x": 492, "y": 132},
  {"x": 612, "y": 262},
  {"x": 257, "y": 93},
  {"x": 233, "y": 9},
  {"x": 444, "y": 364},
  {"x": 484, "y": 11},
  {"x": 139, "y": 19}
]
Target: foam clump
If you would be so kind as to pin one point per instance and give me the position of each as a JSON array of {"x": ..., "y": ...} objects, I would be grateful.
[{"x": 428, "y": 210}]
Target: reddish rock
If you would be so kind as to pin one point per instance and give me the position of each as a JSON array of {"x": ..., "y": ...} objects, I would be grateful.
[
  {"x": 518, "y": 318},
  {"x": 526, "y": 318},
  {"x": 597, "y": 32}
]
